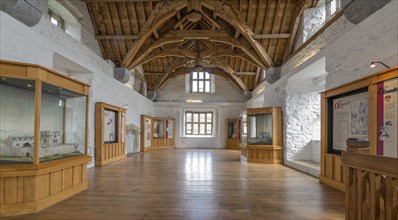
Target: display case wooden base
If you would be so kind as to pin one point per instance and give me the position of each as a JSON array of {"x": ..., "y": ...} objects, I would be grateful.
[
  {"x": 233, "y": 144},
  {"x": 261, "y": 154},
  {"x": 27, "y": 189}
]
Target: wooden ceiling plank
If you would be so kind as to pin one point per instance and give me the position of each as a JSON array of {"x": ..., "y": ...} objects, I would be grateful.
[
  {"x": 124, "y": 6},
  {"x": 268, "y": 36},
  {"x": 117, "y": 37},
  {"x": 102, "y": 1},
  {"x": 94, "y": 22},
  {"x": 279, "y": 41}
]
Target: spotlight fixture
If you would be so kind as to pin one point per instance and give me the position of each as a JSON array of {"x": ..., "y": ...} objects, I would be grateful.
[{"x": 373, "y": 64}]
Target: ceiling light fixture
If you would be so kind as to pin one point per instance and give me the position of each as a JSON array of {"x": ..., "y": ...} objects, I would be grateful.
[{"x": 373, "y": 64}]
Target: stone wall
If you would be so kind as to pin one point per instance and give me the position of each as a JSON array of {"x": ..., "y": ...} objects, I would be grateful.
[{"x": 174, "y": 91}]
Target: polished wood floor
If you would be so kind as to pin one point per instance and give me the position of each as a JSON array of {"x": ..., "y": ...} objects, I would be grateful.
[{"x": 197, "y": 184}]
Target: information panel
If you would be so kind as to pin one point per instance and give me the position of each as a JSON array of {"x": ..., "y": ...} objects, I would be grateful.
[{"x": 350, "y": 119}]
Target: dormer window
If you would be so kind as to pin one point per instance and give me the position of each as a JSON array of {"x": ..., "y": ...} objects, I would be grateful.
[{"x": 201, "y": 82}]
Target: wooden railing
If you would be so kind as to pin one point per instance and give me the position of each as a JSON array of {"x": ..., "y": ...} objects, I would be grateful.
[{"x": 371, "y": 186}]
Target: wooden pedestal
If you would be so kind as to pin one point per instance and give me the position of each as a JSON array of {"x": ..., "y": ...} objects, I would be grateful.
[
  {"x": 27, "y": 189},
  {"x": 261, "y": 154}
]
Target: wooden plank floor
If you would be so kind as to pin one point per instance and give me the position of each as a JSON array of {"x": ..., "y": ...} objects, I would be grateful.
[{"x": 197, "y": 184}]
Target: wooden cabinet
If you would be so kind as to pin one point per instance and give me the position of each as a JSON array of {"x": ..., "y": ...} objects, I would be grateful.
[
  {"x": 335, "y": 131},
  {"x": 157, "y": 133},
  {"x": 261, "y": 132},
  {"x": 233, "y": 133},
  {"x": 110, "y": 133},
  {"x": 43, "y": 139}
]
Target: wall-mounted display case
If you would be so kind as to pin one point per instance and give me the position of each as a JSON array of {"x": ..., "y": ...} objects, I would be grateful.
[
  {"x": 233, "y": 133},
  {"x": 43, "y": 137},
  {"x": 261, "y": 131},
  {"x": 110, "y": 136},
  {"x": 364, "y": 110},
  {"x": 157, "y": 133}
]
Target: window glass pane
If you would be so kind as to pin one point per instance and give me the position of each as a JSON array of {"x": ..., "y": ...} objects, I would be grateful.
[
  {"x": 189, "y": 128},
  {"x": 208, "y": 127},
  {"x": 202, "y": 129},
  {"x": 195, "y": 128},
  {"x": 207, "y": 86},
  {"x": 189, "y": 117},
  {"x": 195, "y": 117},
  {"x": 207, "y": 75},
  {"x": 62, "y": 124},
  {"x": 201, "y": 86},
  {"x": 54, "y": 21},
  {"x": 194, "y": 75},
  {"x": 201, "y": 75},
  {"x": 209, "y": 117},
  {"x": 202, "y": 117},
  {"x": 194, "y": 86},
  {"x": 17, "y": 108}
]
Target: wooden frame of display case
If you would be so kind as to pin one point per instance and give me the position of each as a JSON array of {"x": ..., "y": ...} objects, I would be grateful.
[
  {"x": 28, "y": 188},
  {"x": 106, "y": 153},
  {"x": 332, "y": 172},
  {"x": 270, "y": 154},
  {"x": 156, "y": 143},
  {"x": 233, "y": 142}
]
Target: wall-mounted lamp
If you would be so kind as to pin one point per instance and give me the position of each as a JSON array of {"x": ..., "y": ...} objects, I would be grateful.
[{"x": 373, "y": 64}]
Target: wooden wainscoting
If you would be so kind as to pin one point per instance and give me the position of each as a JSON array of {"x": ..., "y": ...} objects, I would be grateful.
[
  {"x": 333, "y": 172},
  {"x": 111, "y": 153},
  {"x": 27, "y": 190}
]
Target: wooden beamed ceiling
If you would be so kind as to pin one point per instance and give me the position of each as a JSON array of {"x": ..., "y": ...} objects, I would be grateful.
[{"x": 235, "y": 39}]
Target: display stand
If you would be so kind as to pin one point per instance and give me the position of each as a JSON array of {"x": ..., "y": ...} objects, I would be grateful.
[
  {"x": 110, "y": 133},
  {"x": 261, "y": 135},
  {"x": 233, "y": 133},
  {"x": 158, "y": 133},
  {"x": 364, "y": 109},
  {"x": 43, "y": 139}
]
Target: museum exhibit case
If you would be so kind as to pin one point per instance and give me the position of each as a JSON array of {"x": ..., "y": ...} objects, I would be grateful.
[
  {"x": 158, "y": 133},
  {"x": 362, "y": 113},
  {"x": 261, "y": 131},
  {"x": 43, "y": 137},
  {"x": 110, "y": 133},
  {"x": 233, "y": 133}
]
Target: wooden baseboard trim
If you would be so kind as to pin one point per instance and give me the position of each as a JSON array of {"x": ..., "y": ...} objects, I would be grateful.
[{"x": 332, "y": 183}]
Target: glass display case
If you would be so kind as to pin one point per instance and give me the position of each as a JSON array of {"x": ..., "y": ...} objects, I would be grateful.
[
  {"x": 158, "y": 128},
  {"x": 43, "y": 137},
  {"x": 62, "y": 122},
  {"x": 110, "y": 128},
  {"x": 243, "y": 126},
  {"x": 158, "y": 133},
  {"x": 233, "y": 133},
  {"x": 261, "y": 130}
]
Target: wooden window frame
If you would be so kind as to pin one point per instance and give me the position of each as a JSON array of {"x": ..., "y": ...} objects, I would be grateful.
[
  {"x": 205, "y": 123},
  {"x": 197, "y": 80}
]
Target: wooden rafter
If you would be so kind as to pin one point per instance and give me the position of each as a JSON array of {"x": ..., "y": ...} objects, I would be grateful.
[
  {"x": 161, "y": 14},
  {"x": 175, "y": 36},
  {"x": 232, "y": 15}
]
